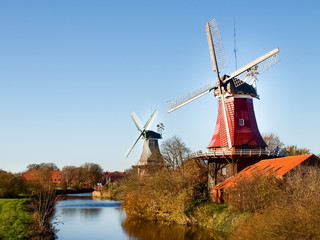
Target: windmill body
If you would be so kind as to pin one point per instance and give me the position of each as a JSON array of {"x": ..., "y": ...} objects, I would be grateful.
[
  {"x": 151, "y": 152},
  {"x": 242, "y": 124},
  {"x": 236, "y": 141}
]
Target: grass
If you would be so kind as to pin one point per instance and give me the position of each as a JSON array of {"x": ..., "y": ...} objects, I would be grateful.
[
  {"x": 15, "y": 220},
  {"x": 217, "y": 216}
]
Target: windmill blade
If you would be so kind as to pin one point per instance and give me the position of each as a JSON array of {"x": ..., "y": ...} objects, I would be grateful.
[
  {"x": 136, "y": 121},
  {"x": 179, "y": 102},
  {"x": 218, "y": 58},
  {"x": 259, "y": 65},
  {"x": 130, "y": 149},
  {"x": 151, "y": 119},
  {"x": 218, "y": 61}
]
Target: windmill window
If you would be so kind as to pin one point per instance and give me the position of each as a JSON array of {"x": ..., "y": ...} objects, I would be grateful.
[
  {"x": 224, "y": 171},
  {"x": 241, "y": 122}
]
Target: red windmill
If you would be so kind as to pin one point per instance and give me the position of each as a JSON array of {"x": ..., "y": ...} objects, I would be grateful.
[{"x": 236, "y": 142}]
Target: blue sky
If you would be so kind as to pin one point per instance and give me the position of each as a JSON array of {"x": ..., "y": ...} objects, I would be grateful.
[{"x": 72, "y": 72}]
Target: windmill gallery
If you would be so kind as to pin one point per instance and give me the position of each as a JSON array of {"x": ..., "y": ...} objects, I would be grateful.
[{"x": 236, "y": 143}]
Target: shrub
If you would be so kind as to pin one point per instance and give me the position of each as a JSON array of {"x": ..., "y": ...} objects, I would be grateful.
[
  {"x": 164, "y": 195},
  {"x": 253, "y": 193},
  {"x": 294, "y": 214}
]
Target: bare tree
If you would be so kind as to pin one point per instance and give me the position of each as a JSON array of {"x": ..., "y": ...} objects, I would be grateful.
[
  {"x": 174, "y": 152},
  {"x": 69, "y": 174},
  {"x": 273, "y": 141},
  {"x": 43, "y": 198},
  {"x": 92, "y": 173}
]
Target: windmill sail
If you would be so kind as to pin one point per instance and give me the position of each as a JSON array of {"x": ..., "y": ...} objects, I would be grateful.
[
  {"x": 151, "y": 119},
  {"x": 259, "y": 65},
  {"x": 179, "y": 102},
  {"x": 130, "y": 148},
  {"x": 137, "y": 121},
  {"x": 218, "y": 58}
]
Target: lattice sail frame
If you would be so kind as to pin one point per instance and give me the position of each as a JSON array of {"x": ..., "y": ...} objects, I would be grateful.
[
  {"x": 218, "y": 46},
  {"x": 256, "y": 69},
  {"x": 180, "y": 101}
]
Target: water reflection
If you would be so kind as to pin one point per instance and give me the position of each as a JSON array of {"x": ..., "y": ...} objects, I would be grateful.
[
  {"x": 80, "y": 217},
  {"x": 145, "y": 230}
]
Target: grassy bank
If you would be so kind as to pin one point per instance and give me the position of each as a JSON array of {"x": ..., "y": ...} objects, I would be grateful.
[
  {"x": 15, "y": 220},
  {"x": 217, "y": 216}
]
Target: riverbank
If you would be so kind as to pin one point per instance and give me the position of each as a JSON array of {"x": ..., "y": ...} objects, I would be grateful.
[
  {"x": 259, "y": 207},
  {"x": 15, "y": 219},
  {"x": 173, "y": 196},
  {"x": 100, "y": 194}
]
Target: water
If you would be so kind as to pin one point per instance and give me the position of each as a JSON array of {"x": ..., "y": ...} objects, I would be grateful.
[{"x": 80, "y": 217}]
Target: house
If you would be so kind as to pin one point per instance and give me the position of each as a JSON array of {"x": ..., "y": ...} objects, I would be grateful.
[
  {"x": 112, "y": 176},
  {"x": 56, "y": 177},
  {"x": 32, "y": 175},
  {"x": 278, "y": 167}
]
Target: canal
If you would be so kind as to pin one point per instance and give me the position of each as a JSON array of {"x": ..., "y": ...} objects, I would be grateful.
[{"x": 78, "y": 216}]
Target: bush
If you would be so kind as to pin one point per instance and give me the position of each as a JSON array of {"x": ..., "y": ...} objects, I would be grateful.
[
  {"x": 294, "y": 214},
  {"x": 253, "y": 193},
  {"x": 164, "y": 195}
]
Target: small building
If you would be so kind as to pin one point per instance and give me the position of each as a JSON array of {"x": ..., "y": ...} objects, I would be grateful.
[
  {"x": 112, "y": 176},
  {"x": 56, "y": 177},
  {"x": 278, "y": 167},
  {"x": 31, "y": 175}
]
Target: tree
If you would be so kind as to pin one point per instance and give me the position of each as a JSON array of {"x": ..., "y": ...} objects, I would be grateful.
[
  {"x": 92, "y": 173},
  {"x": 69, "y": 173},
  {"x": 51, "y": 166},
  {"x": 174, "y": 152},
  {"x": 11, "y": 185},
  {"x": 293, "y": 150},
  {"x": 273, "y": 141}
]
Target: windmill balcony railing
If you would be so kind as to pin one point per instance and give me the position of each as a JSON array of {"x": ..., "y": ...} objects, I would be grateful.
[{"x": 238, "y": 152}]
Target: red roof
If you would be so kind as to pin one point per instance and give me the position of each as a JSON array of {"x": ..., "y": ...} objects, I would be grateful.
[
  {"x": 56, "y": 176},
  {"x": 113, "y": 176},
  {"x": 277, "y": 167}
]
